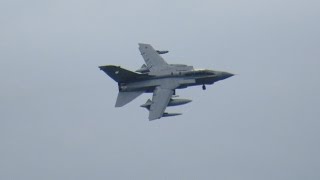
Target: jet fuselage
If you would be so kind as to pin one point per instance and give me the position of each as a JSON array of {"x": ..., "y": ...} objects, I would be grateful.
[
  {"x": 188, "y": 78},
  {"x": 160, "y": 78}
]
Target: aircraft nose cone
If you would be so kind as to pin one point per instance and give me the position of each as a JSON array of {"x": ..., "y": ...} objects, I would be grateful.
[
  {"x": 225, "y": 75},
  {"x": 229, "y": 75}
]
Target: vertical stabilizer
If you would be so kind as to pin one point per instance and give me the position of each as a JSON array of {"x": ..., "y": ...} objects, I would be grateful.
[{"x": 121, "y": 75}]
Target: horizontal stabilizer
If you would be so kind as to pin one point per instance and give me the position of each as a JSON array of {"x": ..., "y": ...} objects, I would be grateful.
[{"x": 126, "y": 97}]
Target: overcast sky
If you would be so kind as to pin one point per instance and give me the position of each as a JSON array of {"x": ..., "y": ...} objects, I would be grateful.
[{"x": 57, "y": 115}]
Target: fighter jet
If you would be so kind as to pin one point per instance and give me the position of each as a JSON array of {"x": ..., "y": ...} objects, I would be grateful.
[{"x": 160, "y": 78}]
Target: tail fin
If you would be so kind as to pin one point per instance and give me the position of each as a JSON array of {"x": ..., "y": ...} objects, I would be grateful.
[
  {"x": 126, "y": 97},
  {"x": 119, "y": 74}
]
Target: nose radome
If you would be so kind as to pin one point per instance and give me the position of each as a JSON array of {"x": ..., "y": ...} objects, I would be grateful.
[
  {"x": 229, "y": 74},
  {"x": 226, "y": 75}
]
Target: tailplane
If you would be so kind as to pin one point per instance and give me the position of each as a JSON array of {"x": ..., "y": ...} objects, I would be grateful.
[{"x": 126, "y": 97}]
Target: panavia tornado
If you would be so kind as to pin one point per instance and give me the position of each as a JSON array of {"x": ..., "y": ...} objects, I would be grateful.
[{"x": 160, "y": 78}]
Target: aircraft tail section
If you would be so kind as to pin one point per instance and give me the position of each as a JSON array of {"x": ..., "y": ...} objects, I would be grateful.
[
  {"x": 119, "y": 74},
  {"x": 126, "y": 97}
]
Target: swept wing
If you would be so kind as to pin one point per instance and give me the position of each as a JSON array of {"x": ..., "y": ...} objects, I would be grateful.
[
  {"x": 160, "y": 100},
  {"x": 152, "y": 58}
]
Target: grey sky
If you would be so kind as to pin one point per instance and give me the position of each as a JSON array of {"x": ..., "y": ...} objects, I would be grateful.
[{"x": 57, "y": 115}]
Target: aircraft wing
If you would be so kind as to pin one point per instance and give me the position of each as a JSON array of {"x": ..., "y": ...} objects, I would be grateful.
[
  {"x": 160, "y": 100},
  {"x": 151, "y": 57}
]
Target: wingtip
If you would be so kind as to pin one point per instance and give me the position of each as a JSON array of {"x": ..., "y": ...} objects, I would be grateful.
[
  {"x": 144, "y": 44},
  {"x": 153, "y": 118},
  {"x": 117, "y": 105}
]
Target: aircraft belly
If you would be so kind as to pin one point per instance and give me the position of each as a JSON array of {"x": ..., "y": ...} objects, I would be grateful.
[
  {"x": 150, "y": 85},
  {"x": 206, "y": 80},
  {"x": 147, "y": 85}
]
